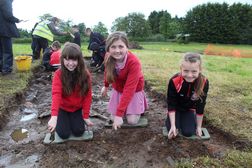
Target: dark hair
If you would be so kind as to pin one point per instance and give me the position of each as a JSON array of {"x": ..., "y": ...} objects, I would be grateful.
[
  {"x": 80, "y": 77},
  {"x": 75, "y": 26},
  {"x": 54, "y": 19},
  {"x": 200, "y": 81},
  {"x": 88, "y": 30},
  {"x": 110, "y": 61},
  {"x": 56, "y": 44}
]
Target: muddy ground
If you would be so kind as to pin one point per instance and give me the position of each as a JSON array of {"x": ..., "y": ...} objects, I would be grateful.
[{"x": 21, "y": 139}]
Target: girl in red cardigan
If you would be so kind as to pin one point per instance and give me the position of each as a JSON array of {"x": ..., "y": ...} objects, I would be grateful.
[
  {"x": 123, "y": 71},
  {"x": 71, "y": 94}
]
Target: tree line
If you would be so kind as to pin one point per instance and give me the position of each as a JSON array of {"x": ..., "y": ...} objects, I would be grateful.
[{"x": 208, "y": 23}]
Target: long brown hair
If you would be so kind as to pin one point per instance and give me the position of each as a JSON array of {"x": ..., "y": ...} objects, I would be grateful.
[
  {"x": 200, "y": 81},
  {"x": 110, "y": 61},
  {"x": 80, "y": 76}
]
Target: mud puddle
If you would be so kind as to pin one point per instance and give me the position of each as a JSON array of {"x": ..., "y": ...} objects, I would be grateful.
[{"x": 21, "y": 140}]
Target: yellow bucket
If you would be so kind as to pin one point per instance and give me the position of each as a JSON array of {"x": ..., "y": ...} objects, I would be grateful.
[{"x": 23, "y": 63}]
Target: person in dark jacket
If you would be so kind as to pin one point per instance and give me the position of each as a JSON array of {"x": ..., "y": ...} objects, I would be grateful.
[
  {"x": 33, "y": 44},
  {"x": 43, "y": 32},
  {"x": 97, "y": 45},
  {"x": 75, "y": 34},
  {"x": 186, "y": 98},
  {"x": 8, "y": 30}
]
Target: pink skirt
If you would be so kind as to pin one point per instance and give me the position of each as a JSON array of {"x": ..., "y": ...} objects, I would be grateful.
[{"x": 137, "y": 105}]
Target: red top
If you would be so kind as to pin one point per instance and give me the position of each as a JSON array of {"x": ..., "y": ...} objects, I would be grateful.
[
  {"x": 69, "y": 103},
  {"x": 55, "y": 57},
  {"x": 129, "y": 80}
]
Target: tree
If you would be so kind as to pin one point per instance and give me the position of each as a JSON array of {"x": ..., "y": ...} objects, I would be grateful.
[
  {"x": 101, "y": 28},
  {"x": 174, "y": 28},
  {"x": 82, "y": 28},
  {"x": 164, "y": 23},
  {"x": 154, "y": 20},
  {"x": 134, "y": 25},
  {"x": 24, "y": 33},
  {"x": 45, "y": 17},
  {"x": 220, "y": 23},
  {"x": 120, "y": 24}
]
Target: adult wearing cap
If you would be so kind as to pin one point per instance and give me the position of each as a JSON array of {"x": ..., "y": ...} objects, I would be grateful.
[
  {"x": 43, "y": 33},
  {"x": 8, "y": 30}
]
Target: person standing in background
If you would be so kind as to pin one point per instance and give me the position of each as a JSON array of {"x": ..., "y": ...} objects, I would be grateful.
[
  {"x": 8, "y": 29},
  {"x": 43, "y": 32},
  {"x": 75, "y": 34}
]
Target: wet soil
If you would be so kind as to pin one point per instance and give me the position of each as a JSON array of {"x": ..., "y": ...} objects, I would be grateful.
[{"x": 21, "y": 139}]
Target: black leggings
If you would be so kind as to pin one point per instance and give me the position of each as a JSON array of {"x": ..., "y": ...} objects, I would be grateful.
[
  {"x": 185, "y": 122},
  {"x": 70, "y": 123}
]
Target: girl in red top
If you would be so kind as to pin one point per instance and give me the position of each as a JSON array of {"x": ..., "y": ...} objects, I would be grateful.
[
  {"x": 186, "y": 98},
  {"x": 71, "y": 94},
  {"x": 123, "y": 71}
]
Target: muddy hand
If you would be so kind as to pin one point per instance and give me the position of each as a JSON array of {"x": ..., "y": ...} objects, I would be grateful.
[
  {"x": 172, "y": 133},
  {"x": 88, "y": 122},
  {"x": 118, "y": 121},
  {"x": 104, "y": 91},
  {"x": 52, "y": 123},
  {"x": 199, "y": 131}
]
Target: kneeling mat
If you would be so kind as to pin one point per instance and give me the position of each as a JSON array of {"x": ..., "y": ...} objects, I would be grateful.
[
  {"x": 143, "y": 122},
  {"x": 205, "y": 134},
  {"x": 87, "y": 135}
]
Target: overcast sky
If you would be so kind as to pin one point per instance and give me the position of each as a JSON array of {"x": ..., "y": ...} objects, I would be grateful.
[{"x": 106, "y": 11}]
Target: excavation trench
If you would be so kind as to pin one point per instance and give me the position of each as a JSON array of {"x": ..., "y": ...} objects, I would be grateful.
[{"x": 21, "y": 139}]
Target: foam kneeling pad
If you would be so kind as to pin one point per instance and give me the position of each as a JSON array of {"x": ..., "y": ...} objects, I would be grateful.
[
  {"x": 55, "y": 138},
  {"x": 143, "y": 122},
  {"x": 205, "y": 134}
]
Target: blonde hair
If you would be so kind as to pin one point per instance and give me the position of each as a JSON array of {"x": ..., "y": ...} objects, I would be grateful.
[
  {"x": 110, "y": 61},
  {"x": 200, "y": 81}
]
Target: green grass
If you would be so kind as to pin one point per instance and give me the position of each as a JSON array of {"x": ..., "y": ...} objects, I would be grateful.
[
  {"x": 230, "y": 83},
  {"x": 174, "y": 47},
  {"x": 232, "y": 159},
  {"x": 229, "y": 104}
]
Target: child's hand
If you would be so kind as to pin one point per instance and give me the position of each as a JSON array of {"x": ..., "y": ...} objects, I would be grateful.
[
  {"x": 104, "y": 91},
  {"x": 172, "y": 132},
  {"x": 52, "y": 123},
  {"x": 88, "y": 122},
  {"x": 199, "y": 131},
  {"x": 118, "y": 121}
]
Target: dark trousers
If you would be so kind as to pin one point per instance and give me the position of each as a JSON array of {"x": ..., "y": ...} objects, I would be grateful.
[
  {"x": 97, "y": 58},
  {"x": 70, "y": 123},
  {"x": 39, "y": 44},
  {"x": 6, "y": 54},
  {"x": 185, "y": 122}
]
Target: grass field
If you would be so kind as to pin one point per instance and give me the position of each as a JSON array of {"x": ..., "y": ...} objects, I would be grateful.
[
  {"x": 230, "y": 96},
  {"x": 229, "y": 103}
]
